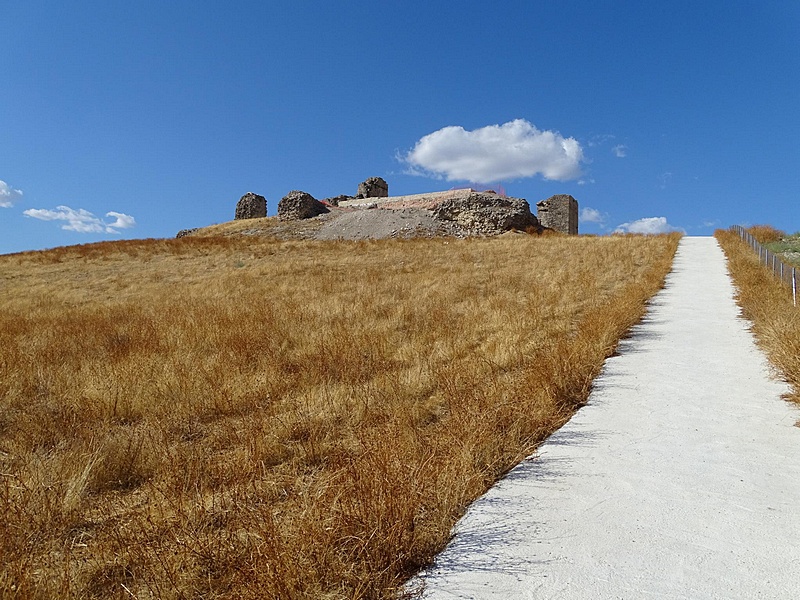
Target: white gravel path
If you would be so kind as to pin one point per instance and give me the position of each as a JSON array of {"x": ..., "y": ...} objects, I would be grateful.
[{"x": 679, "y": 479}]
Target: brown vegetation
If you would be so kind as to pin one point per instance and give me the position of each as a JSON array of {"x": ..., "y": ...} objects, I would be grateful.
[
  {"x": 765, "y": 234},
  {"x": 767, "y": 302},
  {"x": 224, "y": 417}
]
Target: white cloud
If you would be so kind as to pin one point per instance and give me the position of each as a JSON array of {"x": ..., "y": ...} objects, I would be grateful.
[
  {"x": 597, "y": 140},
  {"x": 620, "y": 151},
  {"x": 509, "y": 151},
  {"x": 122, "y": 221},
  {"x": 650, "y": 225},
  {"x": 82, "y": 220},
  {"x": 8, "y": 195},
  {"x": 592, "y": 215}
]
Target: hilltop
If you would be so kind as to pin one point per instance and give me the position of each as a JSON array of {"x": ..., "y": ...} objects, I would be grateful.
[
  {"x": 373, "y": 214},
  {"x": 453, "y": 213}
]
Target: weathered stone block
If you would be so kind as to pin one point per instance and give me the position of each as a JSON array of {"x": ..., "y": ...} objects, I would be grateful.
[
  {"x": 298, "y": 205},
  {"x": 487, "y": 214},
  {"x": 559, "y": 212},
  {"x": 251, "y": 206},
  {"x": 374, "y": 187}
]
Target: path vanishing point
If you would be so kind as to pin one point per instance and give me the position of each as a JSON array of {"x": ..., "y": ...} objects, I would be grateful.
[{"x": 679, "y": 479}]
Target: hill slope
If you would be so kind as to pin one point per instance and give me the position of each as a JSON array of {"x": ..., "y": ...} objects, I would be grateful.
[{"x": 250, "y": 417}]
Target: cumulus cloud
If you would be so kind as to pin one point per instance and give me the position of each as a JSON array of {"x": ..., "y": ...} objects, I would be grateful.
[
  {"x": 8, "y": 195},
  {"x": 121, "y": 220},
  {"x": 509, "y": 151},
  {"x": 620, "y": 151},
  {"x": 592, "y": 215},
  {"x": 650, "y": 225},
  {"x": 82, "y": 220}
]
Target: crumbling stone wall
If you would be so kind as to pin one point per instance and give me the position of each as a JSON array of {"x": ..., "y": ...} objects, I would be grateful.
[
  {"x": 297, "y": 205},
  {"x": 485, "y": 213},
  {"x": 559, "y": 212},
  {"x": 374, "y": 187},
  {"x": 251, "y": 206}
]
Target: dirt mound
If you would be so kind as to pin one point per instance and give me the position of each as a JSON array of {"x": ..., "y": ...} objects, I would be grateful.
[
  {"x": 455, "y": 213},
  {"x": 379, "y": 223}
]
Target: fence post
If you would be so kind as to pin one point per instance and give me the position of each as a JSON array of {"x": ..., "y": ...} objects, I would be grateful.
[{"x": 766, "y": 256}]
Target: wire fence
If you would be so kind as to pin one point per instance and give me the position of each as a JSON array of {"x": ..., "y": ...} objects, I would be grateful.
[{"x": 787, "y": 273}]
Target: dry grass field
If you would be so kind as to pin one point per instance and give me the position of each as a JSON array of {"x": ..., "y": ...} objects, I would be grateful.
[
  {"x": 765, "y": 234},
  {"x": 779, "y": 242},
  {"x": 252, "y": 418},
  {"x": 766, "y": 301}
]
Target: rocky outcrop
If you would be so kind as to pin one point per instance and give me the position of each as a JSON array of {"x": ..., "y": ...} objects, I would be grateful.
[
  {"x": 374, "y": 187},
  {"x": 487, "y": 214},
  {"x": 185, "y": 232},
  {"x": 251, "y": 206},
  {"x": 298, "y": 205}
]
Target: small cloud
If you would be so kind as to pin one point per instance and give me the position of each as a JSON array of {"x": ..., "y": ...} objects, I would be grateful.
[
  {"x": 649, "y": 225},
  {"x": 8, "y": 195},
  {"x": 664, "y": 179},
  {"x": 598, "y": 140},
  {"x": 122, "y": 221},
  {"x": 82, "y": 220},
  {"x": 592, "y": 215},
  {"x": 512, "y": 150},
  {"x": 585, "y": 181},
  {"x": 620, "y": 151}
]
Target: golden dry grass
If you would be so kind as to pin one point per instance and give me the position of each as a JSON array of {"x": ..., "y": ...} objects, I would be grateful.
[
  {"x": 766, "y": 302},
  {"x": 265, "y": 226},
  {"x": 765, "y": 234},
  {"x": 233, "y": 418}
]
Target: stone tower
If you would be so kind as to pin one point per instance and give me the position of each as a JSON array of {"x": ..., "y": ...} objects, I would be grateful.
[
  {"x": 251, "y": 206},
  {"x": 559, "y": 212}
]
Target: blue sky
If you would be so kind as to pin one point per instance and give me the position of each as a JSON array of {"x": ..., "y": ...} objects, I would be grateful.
[{"x": 138, "y": 119}]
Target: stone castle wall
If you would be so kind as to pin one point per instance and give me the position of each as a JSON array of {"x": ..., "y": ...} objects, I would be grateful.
[{"x": 559, "y": 212}]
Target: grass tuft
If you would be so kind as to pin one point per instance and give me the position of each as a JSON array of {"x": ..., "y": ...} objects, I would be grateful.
[{"x": 766, "y": 234}]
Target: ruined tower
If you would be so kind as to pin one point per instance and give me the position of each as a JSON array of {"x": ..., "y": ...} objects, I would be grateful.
[{"x": 559, "y": 212}]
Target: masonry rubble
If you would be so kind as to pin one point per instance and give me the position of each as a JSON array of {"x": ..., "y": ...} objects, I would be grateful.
[
  {"x": 463, "y": 210},
  {"x": 298, "y": 205},
  {"x": 486, "y": 213},
  {"x": 251, "y": 206},
  {"x": 559, "y": 212},
  {"x": 374, "y": 187},
  {"x": 335, "y": 200}
]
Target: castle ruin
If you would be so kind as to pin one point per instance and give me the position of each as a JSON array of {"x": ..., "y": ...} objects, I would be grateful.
[{"x": 560, "y": 213}]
